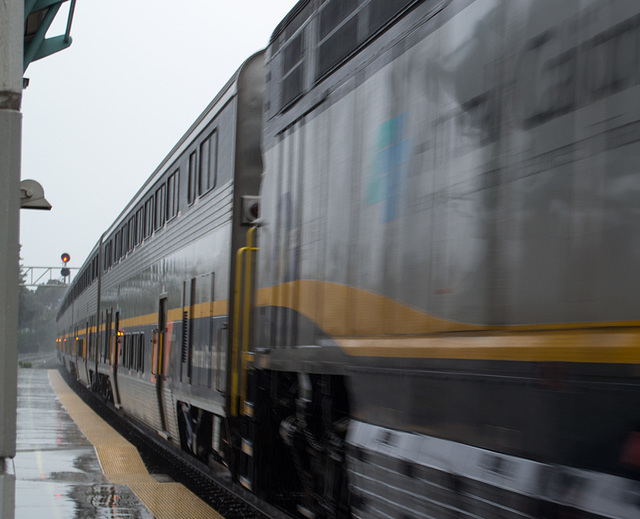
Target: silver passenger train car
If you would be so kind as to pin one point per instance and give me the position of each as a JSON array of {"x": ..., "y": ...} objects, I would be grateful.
[
  {"x": 436, "y": 313},
  {"x": 145, "y": 321}
]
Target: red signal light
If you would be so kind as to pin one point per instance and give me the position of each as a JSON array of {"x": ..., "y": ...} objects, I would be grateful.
[{"x": 65, "y": 258}]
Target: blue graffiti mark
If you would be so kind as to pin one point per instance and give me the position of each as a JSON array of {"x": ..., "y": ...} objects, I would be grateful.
[{"x": 390, "y": 166}]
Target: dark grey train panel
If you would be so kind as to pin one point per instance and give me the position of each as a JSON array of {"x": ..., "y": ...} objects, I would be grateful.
[{"x": 476, "y": 162}]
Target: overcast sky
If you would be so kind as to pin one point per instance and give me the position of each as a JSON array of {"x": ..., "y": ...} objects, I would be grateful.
[{"x": 99, "y": 116}]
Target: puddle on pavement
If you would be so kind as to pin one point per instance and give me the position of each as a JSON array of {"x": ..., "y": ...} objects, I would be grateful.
[{"x": 57, "y": 473}]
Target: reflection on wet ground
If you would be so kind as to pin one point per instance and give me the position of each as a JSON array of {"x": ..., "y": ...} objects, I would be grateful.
[{"x": 56, "y": 468}]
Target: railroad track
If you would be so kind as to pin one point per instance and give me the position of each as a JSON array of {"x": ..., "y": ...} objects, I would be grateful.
[{"x": 217, "y": 490}]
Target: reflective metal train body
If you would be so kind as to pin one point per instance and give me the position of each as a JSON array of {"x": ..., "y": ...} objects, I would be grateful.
[
  {"x": 145, "y": 321},
  {"x": 441, "y": 316}
]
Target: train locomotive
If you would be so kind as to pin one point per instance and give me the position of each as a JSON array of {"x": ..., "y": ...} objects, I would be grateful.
[{"x": 434, "y": 314}]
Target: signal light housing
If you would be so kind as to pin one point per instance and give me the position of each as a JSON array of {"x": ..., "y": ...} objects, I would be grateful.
[
  {"x": 65, "y": 258},
  {"x": 250, "y": 209}
]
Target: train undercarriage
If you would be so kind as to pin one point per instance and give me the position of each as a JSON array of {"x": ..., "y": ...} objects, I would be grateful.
[
  {"x": 304, "y": 441},
  {"x": 291, "y": 451}
]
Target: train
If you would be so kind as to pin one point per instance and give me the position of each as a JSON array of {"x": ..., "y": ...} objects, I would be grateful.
[{"x": 391, "y": 269}]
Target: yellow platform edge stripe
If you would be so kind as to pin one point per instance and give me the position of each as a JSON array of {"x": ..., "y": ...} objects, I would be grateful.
[{"x": 122, "y": 464}]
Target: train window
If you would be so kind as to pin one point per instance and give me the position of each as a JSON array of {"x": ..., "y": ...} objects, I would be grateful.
[
  {"x": 161, "y": 201},
  {"x": 90, "y": 337},
  {"x": 382, "y": 12},
  {"x": 115, "y": 354},
  {"x": 135, "y": 350},
  {"x": 106, "y": 325},
  {"x": 125, "y": 240},
  {"x": 193, "y": 169},
  {"x": 139, "y": 225},
  {"x": 140, "y": 361},
  {"x": 337, "y": 46},
  {"x": 173, "y": 184},
  {"x": 117, "y": 247},
  {"x": 129, "y": 353},
  {"x": 333, "y": 13},
  {"x": 149, "y": 214},
  {"x": 292, "y": 71},
  {"x": 208, "y": 163},
  {"x": 132, "y": 232},
  {"x": 112, "y": 245},
  {"x": 105, "y": 265}
]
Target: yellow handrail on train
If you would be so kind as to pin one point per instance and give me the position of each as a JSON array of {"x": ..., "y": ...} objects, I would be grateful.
[{"x": 236, "y": 320}]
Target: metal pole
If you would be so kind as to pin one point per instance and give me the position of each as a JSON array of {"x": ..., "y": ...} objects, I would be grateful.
[{"x": 11, "y": 62}]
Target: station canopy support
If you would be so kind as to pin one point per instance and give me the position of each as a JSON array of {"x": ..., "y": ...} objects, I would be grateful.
[
  {"x": 38, "y": 16},
  {"x": 23, "y": 30}
]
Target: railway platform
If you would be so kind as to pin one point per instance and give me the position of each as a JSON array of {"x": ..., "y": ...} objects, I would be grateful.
[{"x": 71, "y": 464}]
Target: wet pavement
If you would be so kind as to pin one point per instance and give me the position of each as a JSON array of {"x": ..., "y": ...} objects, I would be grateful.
[{"x": 57, "y": 472}]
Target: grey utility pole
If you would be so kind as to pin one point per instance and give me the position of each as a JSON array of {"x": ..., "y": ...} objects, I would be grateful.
[
  {"x": 23, "y": 29},
  {"x": 11, "y": 63},
  {"x": 11, "y": 69}
]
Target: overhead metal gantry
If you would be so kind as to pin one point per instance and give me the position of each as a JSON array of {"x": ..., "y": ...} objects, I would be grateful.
[{"x": 42, "y": 276}]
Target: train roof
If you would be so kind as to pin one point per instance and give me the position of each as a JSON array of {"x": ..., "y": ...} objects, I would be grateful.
[
  {"x": 227, "y": 91},
  {"x": 220, "y": 100},
  {"x": 298, "y": 14}
]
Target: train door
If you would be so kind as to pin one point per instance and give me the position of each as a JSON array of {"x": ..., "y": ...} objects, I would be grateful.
[
  {"x": 115, "y": 355},
  {"x": 222, "y": 338},
  {"x": 92, "y": 361},
  {"x": 85, "y": 354},
  {"x": 106, "y": 345},
  {"x": 159, "y": 358},
  {"x": 105, "y": 352},
  {"x": 203, "y": 357}
]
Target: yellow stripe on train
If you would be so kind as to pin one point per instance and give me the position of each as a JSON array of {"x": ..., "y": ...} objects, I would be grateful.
[{"x": 367, "y": 324}]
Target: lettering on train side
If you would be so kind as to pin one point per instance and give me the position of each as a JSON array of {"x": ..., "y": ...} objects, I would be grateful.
[{"x": 556, "y": 76}]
